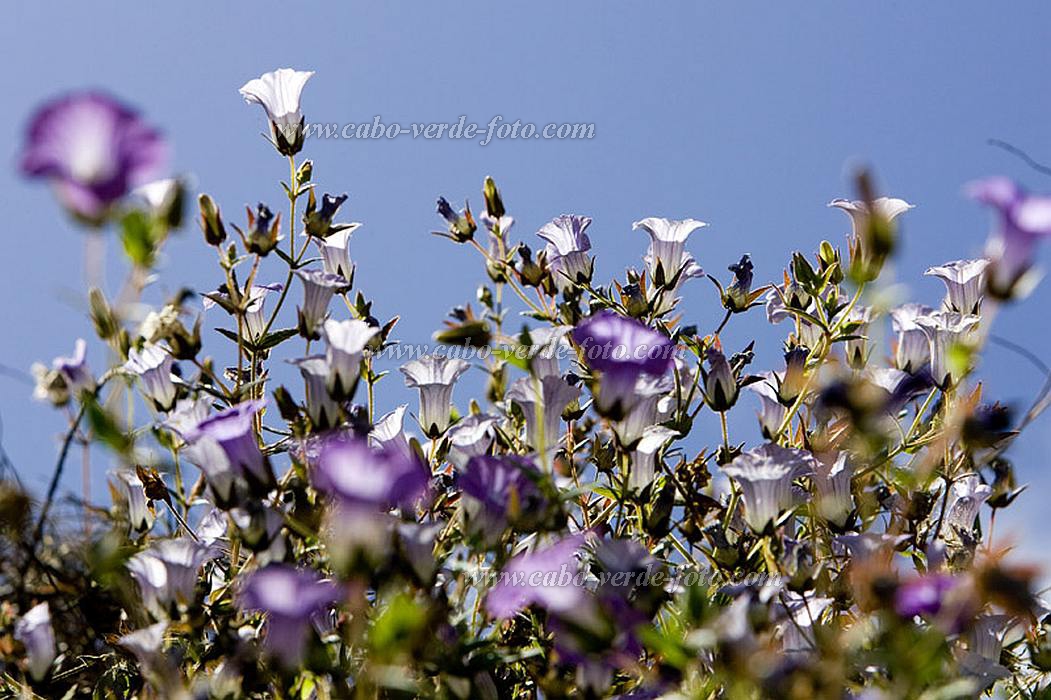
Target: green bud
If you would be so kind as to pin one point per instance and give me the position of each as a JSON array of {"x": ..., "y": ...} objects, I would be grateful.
[{"x": 211, "y": 220}]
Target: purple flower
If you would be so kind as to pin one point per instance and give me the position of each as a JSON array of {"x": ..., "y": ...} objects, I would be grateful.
[
  {"x": 546, "y": 577},
  {"x": 923, "y": 595},
  {"x": 289, "y": 597},
  {"x": 567, "y": 246},
  {"x": 360, "y": 477},
  {"x": 167, "y": 572},
  {"x": 621, "y": 349},
  {"x": 153, "y": 366},
  {"x": 35, "y": 632},
  {"x": 1024, "y": 220},
  {"x": 93, "y": 149},
  {"x": 233, "y": 430},
  {"x": 499, "y": 490}
]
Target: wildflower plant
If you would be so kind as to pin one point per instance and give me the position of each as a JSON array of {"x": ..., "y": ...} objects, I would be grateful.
[{"x": 587, "y": 526}]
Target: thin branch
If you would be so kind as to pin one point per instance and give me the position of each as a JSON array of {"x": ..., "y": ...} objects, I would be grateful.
[{"x": 1025, "y": 157}]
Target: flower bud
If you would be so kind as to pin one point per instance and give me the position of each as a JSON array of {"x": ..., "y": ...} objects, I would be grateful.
[
  {"x": 720, "y": 384},
  {"x": 263, "y": 230},
  {"x": 494, "y": 205},
  {"x": 461, "y": 226},
  {"x": 211, "y": 220}
]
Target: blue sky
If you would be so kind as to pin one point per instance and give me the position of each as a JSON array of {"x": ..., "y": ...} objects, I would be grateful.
[{"x": 749, "y": 116}]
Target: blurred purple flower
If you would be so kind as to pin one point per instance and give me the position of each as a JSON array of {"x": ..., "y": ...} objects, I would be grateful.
[
  {"x": 1024, "y": 220},
  {"x": 499, "y": 490},
  {"x": 360, "y": 477},
  {"x": 923, "y": 595},
  {"x": 94, "y": 149},
  {"x": 546, "y": 577}
]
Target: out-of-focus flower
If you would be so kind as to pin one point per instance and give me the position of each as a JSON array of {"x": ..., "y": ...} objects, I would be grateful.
[
  {"x": 140, "y": 516},
  {"x": 167, "y": 572},
  {"x": 621, "y": 349},
  {"x": 499, "y": 491},
  {"x": 318, "y": 288},
  {"x": 946, "y": 332},
  {"x": 1024, "y": 220},
  {"x": 323, "y": 411},
  {"x": 279, "y": 93},
  {"x": 547, "y": 343},
  {"x": 289, "y": 597},
  {"x": 68, "y": 377},
  {"x": 872, "y": 239},
  {"x": 546, "y": 577},
  {"x": 542, "y": 402},
  {"x": 832, "y": 477},
  {"x": 346, "y": 342},
  {"x": 644, "y": 457},
  {"x": 146, "y": 644},
  {"x": 434, "y": 376},
  {"x": 471, "y": 437},
  {"x": 667, "y": 256},
  {"x": 94, "y": 149},
  {"x": 765, "y": 476},
  {"x": 232, "y": 429},
  {"x": 648, "y": 392},
  {"x": 567, "y": 246},
  {"x": 923, "y": 595},
  {"x": 163, "y": 199},
  {"x": 335, "y": 253},
  {"x": 912, "y": 351},
  {"x": 153, "y": 366},
  {"x": 34, "y": 631},
  {"x": 771, "y": 411},
  {"x": 964, "y": 284},
  {"x": 362, "y": 478}
]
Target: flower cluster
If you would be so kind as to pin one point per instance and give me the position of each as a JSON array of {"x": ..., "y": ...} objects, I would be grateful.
[{"x": 287, "y": 540}]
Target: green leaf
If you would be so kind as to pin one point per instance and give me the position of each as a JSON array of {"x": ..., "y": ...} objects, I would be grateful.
[
  {"x": 105, "y": 426},
  {"x": 275, "y": 338},
  {"x": 137, "y": 236}
]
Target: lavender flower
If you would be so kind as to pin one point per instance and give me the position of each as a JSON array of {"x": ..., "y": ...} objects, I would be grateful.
[
  {"x": 153, "y": 366},
  {"x": 912, "y": 352},
  {"x": 964, "y": 284},
  {"x": 167, "y": 572},
  {"x": 965, "y": 501},
  {"x": 434, "y": 376},
  {"x": 335, "y": 253},
  {"x": 1024, "y": 220},
  {"x": 323, "y": 411},
  {"x": 621, "y": 349},
  {"x": 499, "y": 491},
  {"x": 94, "y": 149},
  {"x": 832, "y": 479},
  {"x": 547, "y": 342},
  {"x": 923, "y": 595},
  {"x": 146, "y": 644},
  {"x": 318, "y": 288},
  {"x": 765, "y": 476},
  {"x": 771, "y": 411},
  {"x": 546, "y": 577},
  {"x": 945, "y": 331},
  {"x": 234, "y": 432},
  {"x": 279, "y": 93},
  {"x": 140, "y": 516},
  {"x": 362, "y": 478},
  {"x": 667, "y": 257},
  {"x": 68, "y": 377},
  {"x": 346, "y": 341},
  {"x": 471, "y": 437},
  {"x": 567, "y": 246},
  {"x": 289, "y": 597},
  {"x": 255, "y": 316},
  {"x": 648, "y": 392},
  {"x": 644, "y": 457},
  {"x": 389, "y": 432},
  {"x": 542, "y": 402},
  {"x": 34, "y": 631}
]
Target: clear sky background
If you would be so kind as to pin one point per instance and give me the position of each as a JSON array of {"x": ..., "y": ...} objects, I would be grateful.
[{"x": 747, "y": 115}]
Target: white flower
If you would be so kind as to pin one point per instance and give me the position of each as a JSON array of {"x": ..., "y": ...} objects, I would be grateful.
[
  {"x": 471, "y": 437},
  {"x": 832, "y": 477},
  {"x": 912, "y": 351},
  {"x": 279, "y": 93},
  {"x": 346, "y": 347},
  {"x": 567, "y": 246},
  {"x": 153, "y": 366},
  {"x": 547, "y": 343},
  {"x": 765, "y": 476},
  {"x": 434, "y": 376},
  {"x": 946, "y": 330},
  {"x": 167, "y": 572},
  {"x": 667, "y": 253},
  {"x": 255, "y": 317},
  {"x": 771, "y": 412},
  {"x": 34, "y": 631},
  {"x": 542, "y": 402},
  {"x": 146, "y": 644},
  {"x": 140, "y": 517},
  {"x": 318, "y": 288},
  {"x": 644, "y": 458},
  {"x": 643, "y": 413},
  {"x": 965, "y": 500},
  {"x": 323, "y": 411},
  {"x": 335, "y": 252},
  {"x": 889, "y": 208},
  {"x": 964, "y": 283},
  {"x": 797, "y": 634},
  {"x": 389, "y": 432},
  {"x": 159, "y": 195}
]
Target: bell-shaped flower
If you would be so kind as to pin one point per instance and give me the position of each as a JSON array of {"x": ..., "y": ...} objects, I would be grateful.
[
  {"x": 886, "y": 208},
  {"x": 94, "y": 150},
  {"x": 720, "y": 382},
  {"x": 318, "y": 288},
  {"x": 548, "y": 343},
  {"x": 765, "y": 476},
  {"x": 233, "y": 430},
  {"x": 186, "y": 415},
  {"x": 667, "y": 256},
  {"x": 912, "y": 350},
  {"x": 167, "y": 572},
  {"x": 771, "y": 411},
  {"x": 279, "y": 93},
  {"x": 548, "y": 577},
  {"x": 946, "y": 331},
  {"x": 68, "y": 377},
  {"x": 289, "y": 597},
  {"x": 147, "y": 644},
  {"x": 346, "y": 342},
  {"x": 322, "y": 409},
  {"x": 644, "y": 457},
  {"x": 434, "y": 376},
  {"x": 153, "y": 367},
  {"x": 965, "y": 501},
  {"x": 567, "y": 246},
  {"x": 857, "y": 348},
  {"x": 499, "y": 491},
  {"x": 471, "y": 437},
  {"x": 832, "y": 478},
  {"x": 335, "y": 253},
  {"x": 621, "y": 349},
  {"x": 643, "y": 414},
  {"x": 255, "y": 317},
  {"x": 964, "y": 284},
  {"x": 140, "y": 515},
  {"x": 1024, "y": 220},
  {"x": 923, "y": 595},
  {"x": 542, "y": 402},
  {"x": 389, "y": 431},
  {"x": 36, "y": 634},
  {"x": 362, "y": 478}
]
